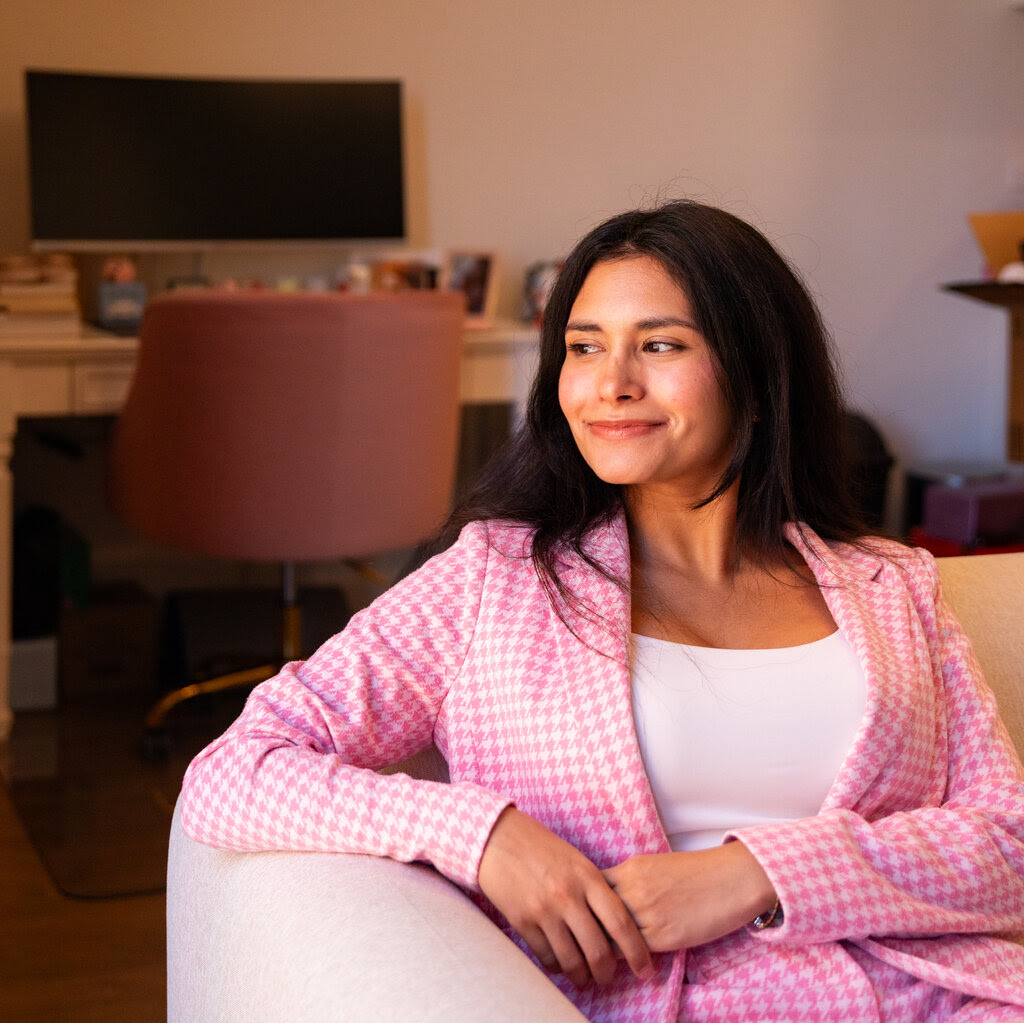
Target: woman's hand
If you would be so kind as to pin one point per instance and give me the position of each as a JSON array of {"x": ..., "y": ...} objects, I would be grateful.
[
  {"x": 559, "y": 902},
  {"x": 684, "y": 899}
]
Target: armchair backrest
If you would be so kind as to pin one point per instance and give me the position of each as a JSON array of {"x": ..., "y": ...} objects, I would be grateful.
[{"x": 987, "y": 594}]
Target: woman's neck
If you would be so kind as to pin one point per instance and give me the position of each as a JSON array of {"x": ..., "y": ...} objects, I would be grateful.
[
  {"x": 692, "y": 582},
  {"x": 666, "y": 531}
]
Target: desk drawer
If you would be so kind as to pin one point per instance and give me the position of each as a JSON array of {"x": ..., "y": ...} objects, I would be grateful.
[
  {"x": 42, "y": 389},
  {"x": 100, "y": 388}
]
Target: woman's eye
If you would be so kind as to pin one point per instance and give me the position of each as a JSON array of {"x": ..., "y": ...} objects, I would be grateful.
[
  {"x": 661, "y": 345},
  {"x": 581, "y": 347}
]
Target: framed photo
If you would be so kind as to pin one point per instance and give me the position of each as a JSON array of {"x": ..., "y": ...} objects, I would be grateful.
[
  {"x": 540, "y": 279},
  {"x": 475, "y": 274}
]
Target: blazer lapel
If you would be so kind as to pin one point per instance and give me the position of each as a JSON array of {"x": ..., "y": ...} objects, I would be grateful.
[
  {"x": 874, "y": 611},
  {"x": 607, "y": 711}
]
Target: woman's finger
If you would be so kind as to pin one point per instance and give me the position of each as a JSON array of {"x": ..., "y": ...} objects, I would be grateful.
[
  {"x": 581, "y": 948},
  {"x": 594, "y": 945},
  {"x": 571, "y": 960},
  {"x": 621, "y": 929},
  {"x": 541, "y": 948}
]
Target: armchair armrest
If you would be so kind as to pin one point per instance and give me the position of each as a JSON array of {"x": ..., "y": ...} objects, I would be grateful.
[{"x": 265, "y": 937}]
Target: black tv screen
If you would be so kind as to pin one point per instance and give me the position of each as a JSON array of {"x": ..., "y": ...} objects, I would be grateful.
[{"x": 116, "y": 160}]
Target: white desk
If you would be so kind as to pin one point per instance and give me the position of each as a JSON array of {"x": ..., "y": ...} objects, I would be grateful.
[{"x": 90, "y": 375}]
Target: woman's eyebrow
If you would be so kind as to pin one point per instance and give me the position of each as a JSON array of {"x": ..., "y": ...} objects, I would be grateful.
[
  {"x": 665, "y": 321},
  {"x": 583, "y": 326},
  {"x": 655, "y": 323}
]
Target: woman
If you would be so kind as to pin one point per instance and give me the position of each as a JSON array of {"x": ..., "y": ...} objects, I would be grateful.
[{"x": 714, "y": 754}]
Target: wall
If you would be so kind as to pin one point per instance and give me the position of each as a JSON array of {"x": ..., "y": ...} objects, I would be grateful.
[{"x": 858, "y": 135}]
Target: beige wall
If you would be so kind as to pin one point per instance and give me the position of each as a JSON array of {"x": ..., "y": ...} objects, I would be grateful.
[{"x": 856, "y": 134}]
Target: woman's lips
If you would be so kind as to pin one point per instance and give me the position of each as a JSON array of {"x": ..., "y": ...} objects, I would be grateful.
[{"x": 622, "y": 429}]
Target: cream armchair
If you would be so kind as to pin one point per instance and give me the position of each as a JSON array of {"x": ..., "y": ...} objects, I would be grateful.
[{"x": 266, "y": 937}]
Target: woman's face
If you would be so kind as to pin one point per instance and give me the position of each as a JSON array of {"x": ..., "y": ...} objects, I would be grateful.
[{"x": 638, "y": 386}]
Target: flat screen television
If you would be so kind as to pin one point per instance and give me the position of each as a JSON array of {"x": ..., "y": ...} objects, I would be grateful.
[{"x": 132, "y": 162}]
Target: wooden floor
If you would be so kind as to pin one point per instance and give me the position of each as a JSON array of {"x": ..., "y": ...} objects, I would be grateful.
[
  {"x": 91, "y": 960},
  {"x": 73, "y": 961}
]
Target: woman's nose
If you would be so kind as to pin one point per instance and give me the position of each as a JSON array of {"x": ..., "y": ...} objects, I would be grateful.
[{"x": 620, "y": 381}]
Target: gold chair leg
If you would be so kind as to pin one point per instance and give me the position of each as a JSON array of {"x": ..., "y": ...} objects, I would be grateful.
[
  {"x": 235, "y": 679},
  {"x": 155, "y": 743},
  {"x": 291, "y": 632}
]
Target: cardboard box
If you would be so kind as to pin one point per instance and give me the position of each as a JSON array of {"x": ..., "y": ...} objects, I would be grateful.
[
  {"x": 1000, "y": 237},
  {"x": 976, "y": 513}
]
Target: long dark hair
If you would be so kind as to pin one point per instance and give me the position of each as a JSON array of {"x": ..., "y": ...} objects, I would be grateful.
[{"x": 775, "y": 366}]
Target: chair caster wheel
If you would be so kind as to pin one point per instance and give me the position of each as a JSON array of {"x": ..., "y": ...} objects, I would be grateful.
[{"x": 155, "y": 745}]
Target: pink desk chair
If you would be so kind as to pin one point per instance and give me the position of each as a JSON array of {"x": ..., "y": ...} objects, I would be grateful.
[{"x": 289, "y": 428}]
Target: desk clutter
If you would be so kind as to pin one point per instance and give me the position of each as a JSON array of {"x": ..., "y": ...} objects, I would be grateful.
[
  {"x": 50, "y": 295},
  {"x": 121, "y": 297},
  {"x": 476, "y": 273},
  {"x": 39, "y": 296}
]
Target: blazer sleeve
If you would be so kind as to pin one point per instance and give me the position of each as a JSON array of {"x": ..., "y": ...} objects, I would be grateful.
[
  {"x": 298, "y": 769},
  {"x": 956, "y": 867}
]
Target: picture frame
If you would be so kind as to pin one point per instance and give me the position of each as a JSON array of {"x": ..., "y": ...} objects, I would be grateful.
[
  {"x": 538, "y": 281},
  {"x": 476, "y": 273}
]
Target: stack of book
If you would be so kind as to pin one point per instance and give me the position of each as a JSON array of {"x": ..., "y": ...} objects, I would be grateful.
[{"x": 39, "y": 297}]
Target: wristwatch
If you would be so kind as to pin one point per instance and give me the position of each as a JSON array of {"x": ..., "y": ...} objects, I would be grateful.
[{"x": 772, "y": 918}]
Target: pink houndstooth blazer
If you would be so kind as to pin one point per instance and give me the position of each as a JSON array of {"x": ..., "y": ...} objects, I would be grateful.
[{"x": 892, "y": 893}]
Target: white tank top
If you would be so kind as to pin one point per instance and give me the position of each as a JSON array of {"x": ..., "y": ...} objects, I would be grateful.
[{"x": 733, "y": 738}]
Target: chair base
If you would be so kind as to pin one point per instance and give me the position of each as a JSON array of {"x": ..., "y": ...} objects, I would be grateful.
[{"x": 155, "y": 744}]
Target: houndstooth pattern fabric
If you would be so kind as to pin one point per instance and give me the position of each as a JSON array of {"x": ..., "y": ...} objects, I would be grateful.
[{"x": 919, "y": 846}]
